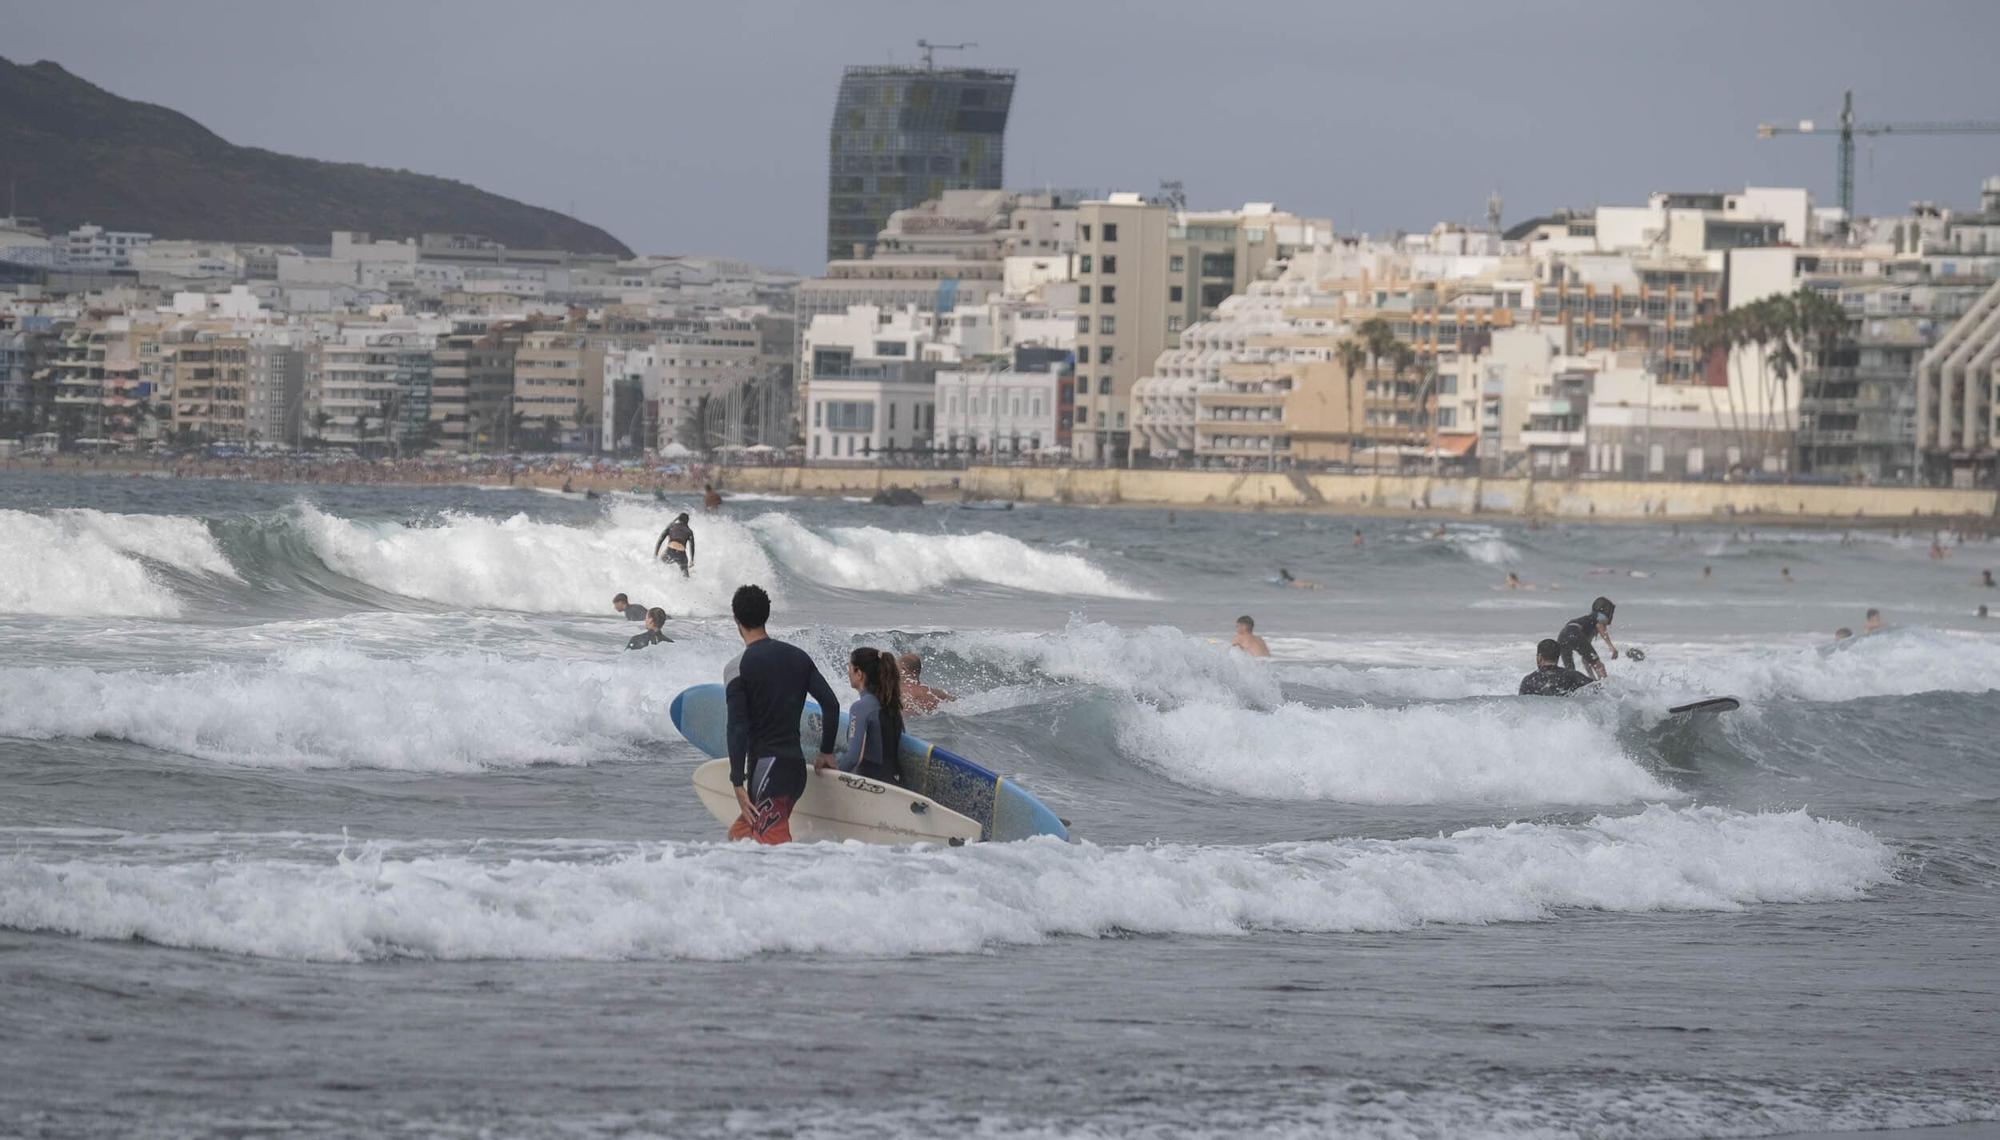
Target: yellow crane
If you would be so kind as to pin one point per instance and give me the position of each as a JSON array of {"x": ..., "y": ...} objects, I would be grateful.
[{"x": 1849, "y": 128}]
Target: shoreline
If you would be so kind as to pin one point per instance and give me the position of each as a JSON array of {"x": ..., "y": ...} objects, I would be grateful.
[{"x": 1393, "y": 497}]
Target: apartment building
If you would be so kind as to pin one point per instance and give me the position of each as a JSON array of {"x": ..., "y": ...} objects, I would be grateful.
[
  {"x": 274, "y": 396},
  {"x": 559, "y": 387},
  {"x": 206, "y": 373},
  {"x": 368, "y": 388},
  {"x": 654, "y": 394},
  {"x": 472, "y": 382},
  {"x": 1145, "y": 271},
  {"x": 89, "y": 247}
]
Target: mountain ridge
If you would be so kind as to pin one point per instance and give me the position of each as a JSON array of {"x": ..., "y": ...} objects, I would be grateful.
[{"x": 77, "y": 153}]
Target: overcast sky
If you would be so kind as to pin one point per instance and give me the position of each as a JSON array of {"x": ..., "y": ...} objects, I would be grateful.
[{"x": 701, "y": 128}]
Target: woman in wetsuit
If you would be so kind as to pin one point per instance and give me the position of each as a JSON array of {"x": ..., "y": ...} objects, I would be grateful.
[
  {"x": 875, "y": 720},
  {"x": 678, "y": 539}
]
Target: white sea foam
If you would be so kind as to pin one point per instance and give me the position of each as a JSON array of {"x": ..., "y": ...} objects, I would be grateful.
[
  {"x": 519, "y": 563},
  {"x": 730, "y": 902},
  {"x": 871, "y": 558},
  {"x": 93, "y": 562},
  {"x": 336, "y": 708},
  {"x": 1507, "y": 752}
]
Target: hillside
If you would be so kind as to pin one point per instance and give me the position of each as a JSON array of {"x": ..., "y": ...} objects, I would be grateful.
[{"x": 78, "y": 153}]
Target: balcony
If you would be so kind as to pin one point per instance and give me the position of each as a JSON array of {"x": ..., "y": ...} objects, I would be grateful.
[{"x": 1562, "y": 439}]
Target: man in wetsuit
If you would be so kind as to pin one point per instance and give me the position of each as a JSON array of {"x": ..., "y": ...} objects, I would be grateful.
[
  {"x": 767, "y": 688},
  {"x": 678, "y": 538},
  {"x": 632, "y": 610},
  {"x": 1551, "y": 679},
  {"x": 1574, "y": 638}
]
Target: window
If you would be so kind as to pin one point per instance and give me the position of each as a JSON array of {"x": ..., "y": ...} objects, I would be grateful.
[
  {"x": 817, "y": 409},
  {"x": 1104, "y": 385},
  {"x": 1121, "y": 421},
  {"x": 1100, "y": 421},
  {"x": 1177, "y": 264},
  {"x": 1083, "y": 324},
  {"x": 1084, "y": 231},
  {"x": 1107, "y": 324},
  {"x": 1174, "y": 324},
  {"x": 1104, "y": 354},
  {"x": 850, "y": 415},
  {"x": 1082, "y": 387},
  {"x": 892, "y": 417},
  {"x": 1110, "y": 294},
  {"x": 1111, "y": 231},
  {"x": 1083, "y": 263},
  {"x": 1083, "y": 294},
  {"x": 816, "y": 443},
  {"x": 1176, "y": 294},
  {"x": 1110, "y": 263}
]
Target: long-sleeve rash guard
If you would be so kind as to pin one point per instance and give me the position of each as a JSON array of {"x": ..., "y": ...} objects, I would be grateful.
[{"x": 767, "y": 688}]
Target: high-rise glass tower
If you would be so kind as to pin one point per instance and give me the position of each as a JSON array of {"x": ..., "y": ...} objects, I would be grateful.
[{"x": 902, "y": 135}]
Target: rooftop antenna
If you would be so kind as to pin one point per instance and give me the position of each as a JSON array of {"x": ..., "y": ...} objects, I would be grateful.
[
  {"x": 1174, "y": 193},
  {"x": 1493, "y": 208},
  {"x": 928, "y": 47}
]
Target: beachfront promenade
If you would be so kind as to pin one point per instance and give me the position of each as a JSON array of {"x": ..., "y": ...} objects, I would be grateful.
[{"x": 1604, "y": 499}]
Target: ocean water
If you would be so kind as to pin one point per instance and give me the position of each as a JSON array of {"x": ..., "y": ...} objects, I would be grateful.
[{"x": 341, "y": 811}]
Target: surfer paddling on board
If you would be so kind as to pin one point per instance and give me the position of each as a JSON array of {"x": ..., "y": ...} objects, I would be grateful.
[
  {"x": 1551, "y": 678},
  {"x": 678, "y": 538},
  {"x": 766, "y": 687},
  {"x": 918, "y": 697},
  {"x": 875, "y": 721},
  {"x": 1246, "y": 638},
  {"x": 1574, "y": 638}
]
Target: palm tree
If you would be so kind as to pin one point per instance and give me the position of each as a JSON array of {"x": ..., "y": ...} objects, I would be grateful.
[
  {"x": 319, "y": 421},
  {"x": 1402, "y": 358},
  {"x": 1351, "y": 356},
  {"x": 1377, "y": 338}
]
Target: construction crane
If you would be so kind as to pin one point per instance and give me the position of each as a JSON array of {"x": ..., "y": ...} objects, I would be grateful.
[
  {"x": 1849, "y": 128},
  {"x": 928, "y": 47}
]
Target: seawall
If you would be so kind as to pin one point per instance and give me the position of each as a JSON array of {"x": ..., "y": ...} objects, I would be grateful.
[{"x": 1391, "y": 493}]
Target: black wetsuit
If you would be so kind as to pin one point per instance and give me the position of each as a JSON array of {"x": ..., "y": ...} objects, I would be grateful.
[
  {"x": 635, "y": 612},
  {"x": 1574, "y": 640},
  {"x": 645, "y": 638},
  {"x": 1552, "y": 681},
  {"x": 767, "y": 688},
  {"x": 682, "y": 533}
]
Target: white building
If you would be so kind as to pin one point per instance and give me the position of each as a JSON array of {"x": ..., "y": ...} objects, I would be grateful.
[
  {"x": 1011, "y": 409},
  {"x": 94, "y": 247},
  {"x": 654, "y": 393}
]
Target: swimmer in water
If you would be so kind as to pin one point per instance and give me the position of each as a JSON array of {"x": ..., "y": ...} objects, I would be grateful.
[
  {"x": 917, "y": 696},
  {"x": 656, "y": 620},
  {"x": 632, "y": 610},
  {"x": 1551, "y": 678},
  {"x": 1286, "y": 580},
  {"x": 1874, "y": 622},
  {"x": 1786, "y": 575},
  {"x": 1357, "y": 538},
  {"x": 1246, "y": 638},
  {"x": 1842, "y": 634}
]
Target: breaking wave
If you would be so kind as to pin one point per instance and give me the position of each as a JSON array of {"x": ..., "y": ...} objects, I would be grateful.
[
  {"x": 71, "y": 562},
  {"x": 870, "y": 558},
  {"x": 701, "y": 901}
]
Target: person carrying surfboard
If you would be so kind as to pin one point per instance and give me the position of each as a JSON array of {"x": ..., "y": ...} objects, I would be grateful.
[
  {"x": 1551, "y": 678},
  {"x": 875, "y": 720},
  {"x": 678, "y": 538},
  {"x": 766, "y": 689},
  {"x": 1575, "y": 636}
]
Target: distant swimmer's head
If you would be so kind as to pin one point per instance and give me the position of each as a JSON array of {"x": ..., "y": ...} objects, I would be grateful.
[
  {"x": 1284, "y": 575},
  {"x": 1842, "y": 634},
  {"x": 1603, "y": 608},
  {"x": 911, "y": 665},
  {"x": 751, "y": 607},
  {"x": 1246, "y": 624},
  {"x": 1982, "y": 610},
  {"x": 1546, "y": 651},
  {"x": 620, "y": 602},
  {"x": 1874, "y": 613},
  {"x": 656, "y": 618}
]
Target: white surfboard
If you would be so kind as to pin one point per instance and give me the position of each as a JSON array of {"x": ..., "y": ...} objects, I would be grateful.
[{"x": 840, "y": 805}]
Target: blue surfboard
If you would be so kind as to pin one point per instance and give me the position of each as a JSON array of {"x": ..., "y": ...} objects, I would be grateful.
[{"x": 1004, "y": 809}]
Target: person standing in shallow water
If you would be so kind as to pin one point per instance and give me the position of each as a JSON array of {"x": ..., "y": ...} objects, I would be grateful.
[
  {"x": 766, "y": 689},
  {"x": 875, "y": 720}
]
